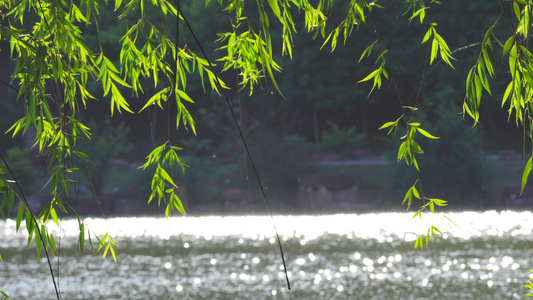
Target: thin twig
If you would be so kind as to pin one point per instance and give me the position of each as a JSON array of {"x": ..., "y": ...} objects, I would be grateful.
[{"x": 9, "y": 85}]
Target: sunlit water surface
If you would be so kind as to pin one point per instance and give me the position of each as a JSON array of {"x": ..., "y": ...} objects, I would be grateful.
[{"x": 368, "y": 256}]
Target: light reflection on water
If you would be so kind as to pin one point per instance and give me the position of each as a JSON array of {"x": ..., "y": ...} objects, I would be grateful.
[{"x": 367, "y": 256}]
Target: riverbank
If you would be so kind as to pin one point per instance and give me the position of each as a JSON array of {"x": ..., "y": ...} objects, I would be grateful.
[{"x": 329, "y": 187}]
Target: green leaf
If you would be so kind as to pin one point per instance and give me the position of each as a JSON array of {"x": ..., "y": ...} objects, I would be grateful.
[
  {"x": 388, "y": 124},
  {"x": 184, "y": 95},
  {"x": 165, "y": 176},
  {"x": 167, "y": 210},
  {"x": 422, "y": 14},
  {"x": 450, "y": 220},
  {"x": 415, "y": 192},
  {"x": 402, "y": 151},
  {"x": 52, "y": 241},
  {"x": 415, "y": 148},
  {"x": 91, "y": 241},
  {"x": 434, "y": 50},
  {"x": 20, "y": 215},
  {"x": 415, "y": 163},
  {"x": 438, "y": 202},
  {"x": 10, "y": 198},
  {"x": 488, "y": 57},
  {"x": 82, "y": 236},
  {"x": 117, "y": 4},
  {"x": 478, "y": 88},
  {"x": 483, "y": 77},
  {"x": 512, "y": 60},
  {"x": 177, "y": 203},
  {"x": 516, "y": 10},
  {"x": 113, "y": 253},
  {"x": 53, "y": 213},
  {"x": 525, "y": 175},
  {"x": 367, "y": 52},
  {"x": 275, "y": 8},
  {"x": 117, "y": 79},
  {"x": 436, "y": 229},
  {"x": 419, "y": 243},
  {"x": 426, "y": 134},
  {"x": 408, "y": 198},
  {"x": 118, "y": 100},
  {"x": 507, "y": 92},
  {"x": 508, "y": 45},
  {"x": 427, "y": 35},
  {"x": 102, "y": 242},
  {"x": 370, "y": 76},
  {"x": 106, "y": 250},
  {"x": 156, "y": 98}
]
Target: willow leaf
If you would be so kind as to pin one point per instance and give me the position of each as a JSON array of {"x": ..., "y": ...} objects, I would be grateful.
[{"x": 525, "y": 175}]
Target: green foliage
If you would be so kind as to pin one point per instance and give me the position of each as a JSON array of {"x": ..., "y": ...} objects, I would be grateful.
[
  {"x": 162, "y": 183},
  {"x": 110, "y": 247},
  {"x": 343, "y": 141},
  {"x": 379, "y": 72},
  {"x": 455, "y": 156},
  {"x": 520, "y": 66},
  {"x": 251, "y": 54},
  {"x": 55, "y": 66},
  {"x": 438, "y": 45}
]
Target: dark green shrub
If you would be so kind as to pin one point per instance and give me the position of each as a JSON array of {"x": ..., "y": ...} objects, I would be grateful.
[{"x": 340, "y": 140}]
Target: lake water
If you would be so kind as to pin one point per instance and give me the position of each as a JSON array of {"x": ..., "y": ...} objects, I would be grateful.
[{"x": 369, "y": 256}]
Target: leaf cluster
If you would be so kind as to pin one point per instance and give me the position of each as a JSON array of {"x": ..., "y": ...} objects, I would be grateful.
[{"x": 163, "y": 185}]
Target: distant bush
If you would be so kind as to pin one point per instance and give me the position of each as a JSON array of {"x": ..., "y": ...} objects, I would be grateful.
[
  {"x": 340, "y": 140},
  {"x": 205, "y": 177}
]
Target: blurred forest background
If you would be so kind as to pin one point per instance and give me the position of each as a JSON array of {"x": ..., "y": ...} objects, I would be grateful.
[{"x": 319, "y": 148}]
